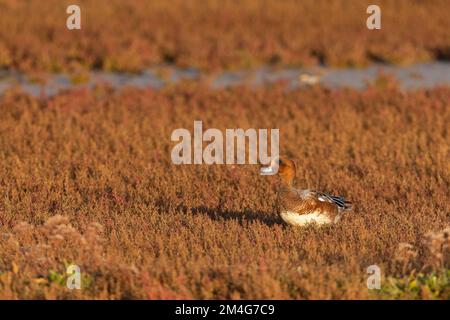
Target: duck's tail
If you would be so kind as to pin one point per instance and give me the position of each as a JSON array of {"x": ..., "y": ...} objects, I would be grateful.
[
  {"x": 342, "y": 203},
  {"x": 348, "y": 205},
  {"x": 343, "y": 207}
]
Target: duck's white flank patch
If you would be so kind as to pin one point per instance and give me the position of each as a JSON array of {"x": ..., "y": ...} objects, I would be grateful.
[{"x": 296, "y": 219}]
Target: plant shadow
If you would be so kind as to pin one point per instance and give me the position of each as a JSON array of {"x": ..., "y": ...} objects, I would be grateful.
[{"x": 241, "y": 217}]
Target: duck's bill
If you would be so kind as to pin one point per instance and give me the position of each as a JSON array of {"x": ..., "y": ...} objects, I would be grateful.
[{"x": 267, "y": 170}]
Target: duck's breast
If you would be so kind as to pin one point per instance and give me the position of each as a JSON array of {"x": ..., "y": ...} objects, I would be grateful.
[{"x": 296, "y": 219}]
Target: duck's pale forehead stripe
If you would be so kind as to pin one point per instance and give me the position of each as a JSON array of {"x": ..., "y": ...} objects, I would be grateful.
[{"x": 267, "y": 170}]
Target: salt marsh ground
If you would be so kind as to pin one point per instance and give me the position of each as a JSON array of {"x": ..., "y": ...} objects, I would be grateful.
[{"x": 86, "y": 178}]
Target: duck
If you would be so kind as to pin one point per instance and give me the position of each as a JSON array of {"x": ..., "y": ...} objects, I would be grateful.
[
  {"x": 309, "y": 79},
  {"x": 302, "y": 207}
]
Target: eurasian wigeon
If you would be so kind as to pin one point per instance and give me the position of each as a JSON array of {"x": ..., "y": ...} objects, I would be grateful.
[
  {"x": 300, "y": 207},
  {"x": 309, "y": 79}
]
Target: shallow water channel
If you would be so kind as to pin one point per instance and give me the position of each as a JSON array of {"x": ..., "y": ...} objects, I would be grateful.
[{"x": 424, "y": 75}]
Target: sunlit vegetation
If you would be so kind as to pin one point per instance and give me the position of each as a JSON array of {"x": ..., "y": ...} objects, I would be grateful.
[
  {"x": 119, "y": 35},
  {"x": 86, "y": 178}
]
